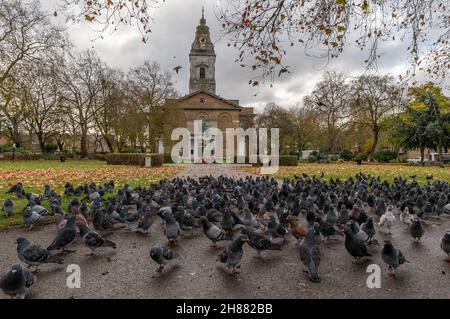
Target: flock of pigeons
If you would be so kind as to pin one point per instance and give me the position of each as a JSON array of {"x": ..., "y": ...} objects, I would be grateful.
[{"x": 258, "y": 211}]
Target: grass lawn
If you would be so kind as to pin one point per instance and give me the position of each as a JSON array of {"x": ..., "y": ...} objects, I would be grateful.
[
  {"x": 35, "y": 174},
  {"x": 345, "y": 170}
]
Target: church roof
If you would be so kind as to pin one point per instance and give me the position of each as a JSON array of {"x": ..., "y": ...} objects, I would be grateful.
[{"x": 230, "y": 102}]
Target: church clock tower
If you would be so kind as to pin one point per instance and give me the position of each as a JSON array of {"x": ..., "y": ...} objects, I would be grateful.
[{"x": 202, "y": 60}]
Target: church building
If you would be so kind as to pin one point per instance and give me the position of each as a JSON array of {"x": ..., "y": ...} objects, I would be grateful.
[{"x": 202, "y": 103}]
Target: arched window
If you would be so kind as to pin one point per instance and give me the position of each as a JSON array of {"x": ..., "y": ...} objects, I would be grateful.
[{"x": 202, "y": 73}]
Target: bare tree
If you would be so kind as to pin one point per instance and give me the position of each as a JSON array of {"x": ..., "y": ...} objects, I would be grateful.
[
  {"x": 81, "y": 77},
  {"x": 25, "y": 33},
  {"x": 149, "y": 88},
  {"x": 110, "y": 100},
  {"x": 305, "y": 122},
  {"x": 11, "y": 108},
  {"x": 261, "y": 29},
  {"x": 373, "y": 99},
  {"x": 41, "y": 96},
  {"x": 330, "y": 99}
]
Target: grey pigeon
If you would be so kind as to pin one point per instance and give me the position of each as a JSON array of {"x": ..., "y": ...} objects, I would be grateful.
[
  {"x": 445, "y": 244},
  {"x": 310, "y": 254},
  {"x": 354, "y": 245},
  {"x": 259, "y": 242},
  {"x": 232, "y": 255},
  {"x": 416, "y": 229},
  {"x": 8, "y": 207},
  {"x": 65, "y": 237},
  {"x": 392, "y": 256},
  {"x": 162, "y": 255},
  {"x": 275, "y": 229},
  {"x": 17, "y": 281},
  {"x": 34, "y": 254},
  {"x": 326, "y": 229},
  {"x": 213, "y": 232},
  {"x": 92, "y": 239},
  {"x": 369, "y": 228},
  {"x": 171, "y": 228},
  {"x": 145, "y": 222},
  {"x": 30, "y": 217},
  {"x": 250, "y": 220},
  {"x": 227, "y": 222}
]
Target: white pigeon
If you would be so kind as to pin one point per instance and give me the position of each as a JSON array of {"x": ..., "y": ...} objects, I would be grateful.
[
  {"x": 406, "y": 218},
  {"x": 387, "y": 218}
]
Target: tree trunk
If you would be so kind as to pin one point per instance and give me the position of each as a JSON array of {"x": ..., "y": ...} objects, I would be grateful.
[
  {"x": 60, "y": 145},
  {"x": 15, "y": 133},
  {"x": 41, "y": 139},
  {"x": 422, "y": 154},
  {"x": 83, "y": 142},
  {"x": 373, "y": 147}
]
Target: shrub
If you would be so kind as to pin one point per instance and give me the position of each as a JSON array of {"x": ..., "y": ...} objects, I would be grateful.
[
  {"x": 340, "y": 160},
  {"x": 168, "y": 158},
  {"x": 346, "y": 155},
  {"x": 288, "y": 160},
  {"x": 312, "y": 158},
  {"x": 333, "y": 157},
  {"x": 137, "y": 159},
  {"x": 50, "y": 148},
  {"x": 384, "y": 156},
  {"x": 98, "y": 157}
]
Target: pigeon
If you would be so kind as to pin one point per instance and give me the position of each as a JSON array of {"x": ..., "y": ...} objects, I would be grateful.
[
  {"x": 17, "y": 281},
  {"x": 326, "y": 229},
  {"x": 369, "y": 228},
  {"x": 227, "y": 222},
  {"x": 250, "y": 220},
  {"x": 297, "y": 229},
  {"x": 387, "y": 218},
  {"x": 171, "y": 228},
  {"x": 36, "y": 198},
  {"x": 275, "y": 229},
  {"x": 17, "y": 189},
  {"x": 259, "y": 242},
  {"x": 405, "y": 217},
  {"x": 162, "y": 255},
  {"x": 392, "y": 256},
  {"x": 8, "y": 207},
  {"x": 177, "y": 69},
  {"x": 416, "y": 229},
  {"x": 445, "y": 244},
  {"x": 232, "y": 255},
  {"x": 34, "y": 254},
  {"x": 310, "y": 255},
  {"x": 331, "y": 217},
  {"x": 353, "y": 245},
  {"x": 30, "y": 217},
  {"x": 65, "y": 237},
  {"x": 92, "y": 239},
  {"x": 213, "y": 232},
  {"x": 145, "y": 222}
]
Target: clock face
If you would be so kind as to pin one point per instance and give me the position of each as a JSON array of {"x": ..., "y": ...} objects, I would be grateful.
[{"x": 202, "y": 39}]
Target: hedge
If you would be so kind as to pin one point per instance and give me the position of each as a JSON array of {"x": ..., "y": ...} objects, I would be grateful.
[
  {"x": 8, "y": 156},
  {"x": 98, "y": 157},
  {"x": 137, "y": 159}
]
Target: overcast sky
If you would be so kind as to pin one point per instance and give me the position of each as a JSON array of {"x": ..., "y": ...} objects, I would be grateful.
[{"x": 172, "y": 36}]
